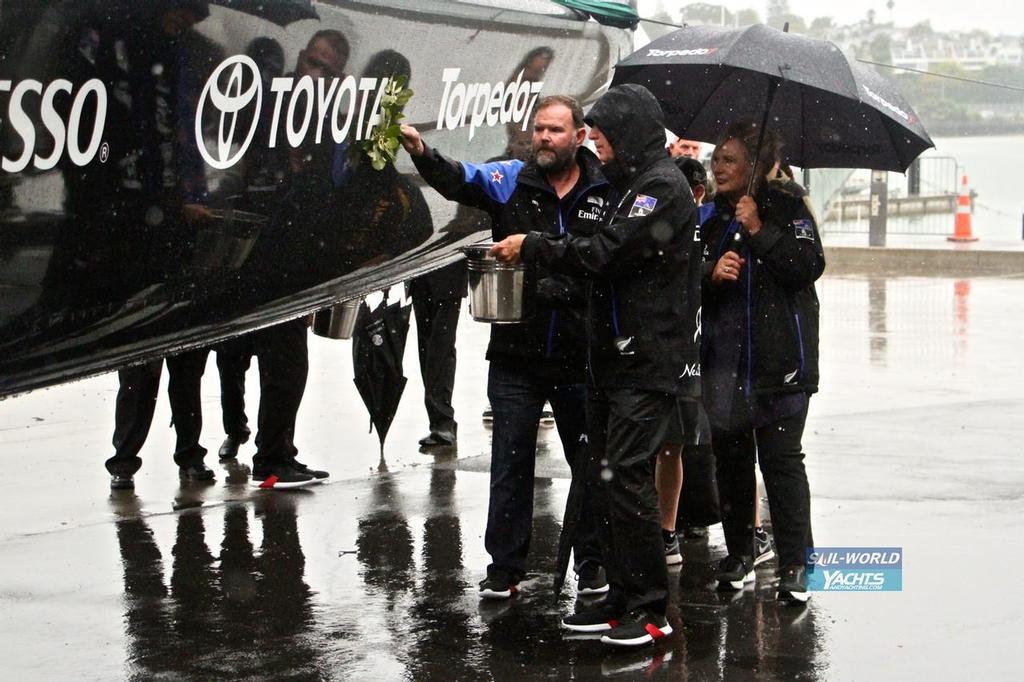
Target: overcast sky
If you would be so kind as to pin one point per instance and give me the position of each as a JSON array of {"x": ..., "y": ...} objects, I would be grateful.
[{"x": 996, "y": 16}]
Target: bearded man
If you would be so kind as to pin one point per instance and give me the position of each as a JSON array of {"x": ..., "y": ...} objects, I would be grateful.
[{"x": 559, "y": 190}]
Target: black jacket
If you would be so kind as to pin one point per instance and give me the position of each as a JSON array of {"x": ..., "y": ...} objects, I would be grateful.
[
  {"x": 519, "y": 199},
  {"x": 645, "y": 262},
  {"x": 767, "y": 320}
]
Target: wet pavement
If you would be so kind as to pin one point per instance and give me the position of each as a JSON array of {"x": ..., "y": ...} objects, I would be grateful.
[{"x": 914, "y": 442}]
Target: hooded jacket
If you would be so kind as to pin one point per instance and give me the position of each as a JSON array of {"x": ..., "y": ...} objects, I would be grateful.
[
  {"x": 644, "y": 262},
  {"x": 762, "y": 330},
  {"x": 519, "y": 198}
]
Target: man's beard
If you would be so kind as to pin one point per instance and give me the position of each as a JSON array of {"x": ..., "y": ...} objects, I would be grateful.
[{"x": 554, "y": 160}]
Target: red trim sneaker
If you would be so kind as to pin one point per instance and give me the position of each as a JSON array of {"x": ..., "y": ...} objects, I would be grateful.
[{"x": 638, "y": 628}]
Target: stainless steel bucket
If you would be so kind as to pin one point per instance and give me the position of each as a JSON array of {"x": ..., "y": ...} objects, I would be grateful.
[
  {"x": 499, "y": 293},
  {"x": 337, "y": 321},
  {"x": 227, "y": 240}
]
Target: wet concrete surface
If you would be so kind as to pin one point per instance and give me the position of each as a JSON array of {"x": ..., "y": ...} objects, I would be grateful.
[{"x": 914, "y": 441}]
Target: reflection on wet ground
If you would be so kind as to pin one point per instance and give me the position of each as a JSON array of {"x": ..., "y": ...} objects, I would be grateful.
[{"x": 913, "y": 442}]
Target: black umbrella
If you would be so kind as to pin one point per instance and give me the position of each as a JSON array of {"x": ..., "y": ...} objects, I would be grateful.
[
  {"x": 378, "y": 346},
  {"x": 281, "y": 12},
  {"x": 831, "y": 111}
]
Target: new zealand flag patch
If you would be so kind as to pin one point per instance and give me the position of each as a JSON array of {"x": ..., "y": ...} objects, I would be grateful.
[
  {"x": 642, "y": 206},
  {"x": 803, "y": 229}
]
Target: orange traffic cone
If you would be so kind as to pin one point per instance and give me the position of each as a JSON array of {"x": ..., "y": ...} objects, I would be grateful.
[{"x": 962, "y": 229}]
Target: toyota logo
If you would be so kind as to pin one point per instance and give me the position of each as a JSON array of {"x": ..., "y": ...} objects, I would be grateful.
[{"x": 229, "y": 102}]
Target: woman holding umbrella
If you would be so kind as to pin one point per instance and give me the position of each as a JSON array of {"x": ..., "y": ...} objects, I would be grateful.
[{"x": 760, "y": 365}]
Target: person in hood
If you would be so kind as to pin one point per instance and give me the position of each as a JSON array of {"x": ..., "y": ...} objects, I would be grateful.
[
  {"x": 761, "y": 352},
  {"x": 559, "y": 190},
  {"x": 644, "y": 264}
]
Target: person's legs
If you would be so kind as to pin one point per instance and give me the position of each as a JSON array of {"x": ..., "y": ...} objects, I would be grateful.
[
  {"x": 284, "y": 366},
  {"x": 233, "y": 360},
  {"x": 517, "y": 400},
  {"x": 184, "y": 379},
  {"x": 436, "y": 325},
  {"x": 734, "y": 459},
  {"x": 668, "y": 481},
  {"x": 637, "y": 423},
  {"x": 785, "y": 478},
  {"x": 133, "y": 415}
]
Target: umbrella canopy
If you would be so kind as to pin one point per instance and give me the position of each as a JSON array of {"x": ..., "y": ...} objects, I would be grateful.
[
  {"x": 831, "y": 111},
  {"x": 281, "y": 12},
  {"x": 378, "y": 347}
]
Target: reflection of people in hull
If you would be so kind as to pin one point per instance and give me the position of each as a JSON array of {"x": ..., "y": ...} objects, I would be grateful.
[{"x": 251, "y": 612}]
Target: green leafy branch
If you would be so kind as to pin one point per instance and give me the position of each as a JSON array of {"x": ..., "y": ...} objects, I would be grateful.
[{"x": 383, "y": 143}]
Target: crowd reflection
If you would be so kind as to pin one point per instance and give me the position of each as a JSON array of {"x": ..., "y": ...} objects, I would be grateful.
[{"x": 247, "y": 608}]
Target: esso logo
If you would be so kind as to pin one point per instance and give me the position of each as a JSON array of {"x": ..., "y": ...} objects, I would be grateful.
[{"x": 243, "y": 87}]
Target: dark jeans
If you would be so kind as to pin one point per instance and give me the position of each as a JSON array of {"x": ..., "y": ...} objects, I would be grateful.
[
  {"x": 436, "y": 323},
  {"x": 233, "y": 359},
  {"x": 284, "y": 365},
  {"x": 777, "y": 449},
  {"x": 627, "y": 428},
  {"x": 136, "y": 403},
  {"x": 517, "y": 398}
]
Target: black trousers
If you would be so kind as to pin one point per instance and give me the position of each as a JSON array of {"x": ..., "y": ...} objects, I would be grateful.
[
  {"x": 284, "y": 365},
  {"x": 233, "y": 359},
  {"x": 777, "y": 449},
  {"x": 436, "y": 324},
  {"x": 136, "y": 403},
  {"x": 626, "y": 428}
]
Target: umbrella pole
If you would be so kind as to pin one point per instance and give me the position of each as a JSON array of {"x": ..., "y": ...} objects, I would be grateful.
[{"x": 773, "y": 85}]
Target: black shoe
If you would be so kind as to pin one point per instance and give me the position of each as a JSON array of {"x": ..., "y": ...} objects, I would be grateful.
[
  {"x": 638, "y": 628},
  {"x": 315, "y": 473},
  {"x": 763, "y": 550},
  {"x": 590, "y": 578},
  {"x": 196, "y": 472},
  {"x": 547, "y": 418},
  {"x": 598, "y": 618},
  {"x": 229, "y": 448},
  {"x": 793, "y": 585},
  {"x": 285, "y": 476},
  {"x": 695, "y": 532},
  {"x": 498, "y": 584},
  {"x": 672, "y": 555},
  {"x": 437, "y": 440},
  {"x": 734, "y": 572},
  {"x": 122, "y": 482}
]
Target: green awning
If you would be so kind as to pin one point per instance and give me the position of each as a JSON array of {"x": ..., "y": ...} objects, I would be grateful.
[{"x": 607, "y": 12}]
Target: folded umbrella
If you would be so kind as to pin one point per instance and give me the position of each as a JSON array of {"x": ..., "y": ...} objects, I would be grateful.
[
  {"x": 831, "y": 111},
  {"x": 378, "y": 346}
]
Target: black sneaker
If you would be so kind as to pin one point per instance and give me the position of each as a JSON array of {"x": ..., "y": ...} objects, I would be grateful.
[
  {"x": 590, "y": 579},
  {"x": 488, "y": 415},
  {"x": 638, "y": 628},
  {"x": 196, "y": 472},
  {"x": 498, "y": 584},
  {"x": 315, "y": 473},
  {"x": 695, "y": 532},
  {"x": 547, "y": 418},
  {"x": 229, "y": 448},
  {"x": 793, "y": 585},
  {"x": 672, "y": 555},
  {"x": 763, "y": 550},
  {"x": 598, "y": 618},
  {"x": 280, "y": 477},
  {"x": 734, "y": 572},
  {"x": 119, "y": 482}
]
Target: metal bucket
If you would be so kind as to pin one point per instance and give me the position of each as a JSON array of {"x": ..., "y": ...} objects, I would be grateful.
[
  {"x": 337, "y": 321},
  {"x": 227, "y": 240},
  {"x": 499, "y": 293}
]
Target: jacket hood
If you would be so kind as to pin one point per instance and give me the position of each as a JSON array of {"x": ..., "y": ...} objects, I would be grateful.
[{"x": 632, "y": 120}]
